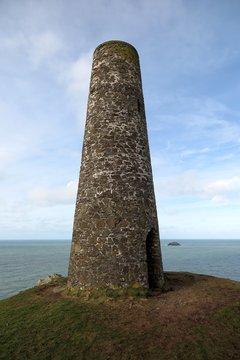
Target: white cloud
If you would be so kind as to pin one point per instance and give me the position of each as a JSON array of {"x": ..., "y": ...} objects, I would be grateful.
[
  {"x": 185, "y": 184},
  {"x": 43, "y": 46},
  {"x": 19, "y": 136},
  {"x": 39, "y": 47},
  {"x": 50, "y": 197},
  {"x": 195, "y": 126},
  {"x": 14, "y": 42},
  {"x": 76, "y": 79},
  {"x": 190, "y": 152},
  {"x": 200, "y": 187},
  {"x": 22, "y": 220},
  {"x": 42, "y": 76},
  {"x": 10, "y": 154},
  {"x": 219, "y": 190}
]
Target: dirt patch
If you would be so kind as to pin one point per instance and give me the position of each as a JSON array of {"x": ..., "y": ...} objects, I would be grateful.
[
  {"x": 198, "y": 320},
  {"x": 167, "y": 318},
  {"x": 171, "y": 317}
]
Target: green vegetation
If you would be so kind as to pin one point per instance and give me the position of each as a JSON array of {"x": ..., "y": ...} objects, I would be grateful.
[
  {"x": 218, "y": 340},
  {"x": 200, "y": 319},
  {"x": 108, "y": 293}
]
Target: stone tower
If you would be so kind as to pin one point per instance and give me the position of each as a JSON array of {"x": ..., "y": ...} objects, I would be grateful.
[{"x": 115, "y": 234}]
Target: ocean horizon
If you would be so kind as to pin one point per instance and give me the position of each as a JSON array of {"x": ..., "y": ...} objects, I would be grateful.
[{"x": 23, "y": 262}]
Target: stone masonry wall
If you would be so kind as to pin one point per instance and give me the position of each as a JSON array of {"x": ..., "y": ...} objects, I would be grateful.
[{"x": 115, "y": 235}]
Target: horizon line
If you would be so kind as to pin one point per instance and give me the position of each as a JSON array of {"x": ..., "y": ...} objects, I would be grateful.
[{"x": 165, "y": 239}]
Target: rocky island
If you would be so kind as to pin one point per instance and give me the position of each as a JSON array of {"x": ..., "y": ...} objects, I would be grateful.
[{"x": 174, "y": 243}]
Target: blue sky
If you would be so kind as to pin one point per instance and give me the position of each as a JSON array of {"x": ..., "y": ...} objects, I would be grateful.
[{"x": 190, "y": 62}]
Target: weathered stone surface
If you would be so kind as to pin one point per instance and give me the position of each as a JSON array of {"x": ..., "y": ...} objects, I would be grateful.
[{"x": 115, "y": 235}]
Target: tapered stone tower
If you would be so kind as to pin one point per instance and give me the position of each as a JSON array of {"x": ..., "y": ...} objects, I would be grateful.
[{"x": 115, "y": 235}]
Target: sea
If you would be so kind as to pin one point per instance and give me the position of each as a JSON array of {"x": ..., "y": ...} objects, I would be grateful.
[{"x": 24, "y": 262}]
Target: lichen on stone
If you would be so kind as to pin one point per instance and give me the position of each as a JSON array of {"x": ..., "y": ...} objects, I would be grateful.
[{"x": 126, "y": 51}]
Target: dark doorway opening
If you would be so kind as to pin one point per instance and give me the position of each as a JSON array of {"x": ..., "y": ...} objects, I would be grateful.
[{"x": 151, "y": 261}]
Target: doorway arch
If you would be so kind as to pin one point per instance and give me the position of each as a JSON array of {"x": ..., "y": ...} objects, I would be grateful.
[{"x": 152, "y": 264}]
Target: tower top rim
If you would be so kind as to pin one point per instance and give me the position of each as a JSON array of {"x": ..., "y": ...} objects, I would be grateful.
[{"x": 119, "y": 43}]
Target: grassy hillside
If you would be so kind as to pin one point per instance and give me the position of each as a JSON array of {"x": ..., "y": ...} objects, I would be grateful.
[{"x": 200, "y": 319}]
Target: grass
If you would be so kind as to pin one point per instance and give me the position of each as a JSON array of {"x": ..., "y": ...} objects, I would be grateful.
[
  {"x": 219, "y": 340},
  {"x": 199, "y": 320}
]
